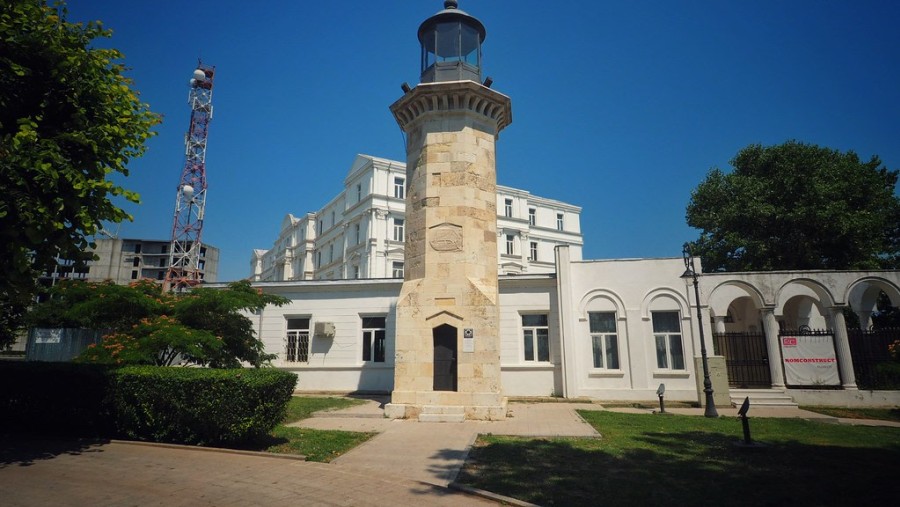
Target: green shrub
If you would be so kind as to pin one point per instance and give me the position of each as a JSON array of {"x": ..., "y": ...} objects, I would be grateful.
[
  {"x": 198, "y": 405},
  {"x": 60, "y": 399}
]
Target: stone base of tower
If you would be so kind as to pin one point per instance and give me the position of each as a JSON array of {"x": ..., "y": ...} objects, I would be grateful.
[{"x": 471, "y": 406}]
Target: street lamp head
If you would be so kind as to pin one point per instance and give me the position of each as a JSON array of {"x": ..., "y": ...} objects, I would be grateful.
[{"x": 688, "y": 261}]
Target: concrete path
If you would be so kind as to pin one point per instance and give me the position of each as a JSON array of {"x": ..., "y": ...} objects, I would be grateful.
[{"x": 434, "y": 452}]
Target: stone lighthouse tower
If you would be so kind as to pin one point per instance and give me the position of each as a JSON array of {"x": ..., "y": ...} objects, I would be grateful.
[{"x": 448, "y": 340}]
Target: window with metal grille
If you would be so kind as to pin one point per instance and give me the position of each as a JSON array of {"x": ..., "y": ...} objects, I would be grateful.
[{"x": 296, "y": 348}]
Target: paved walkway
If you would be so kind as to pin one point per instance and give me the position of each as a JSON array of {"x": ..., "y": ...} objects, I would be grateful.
[{"x": 434, "y": 452}]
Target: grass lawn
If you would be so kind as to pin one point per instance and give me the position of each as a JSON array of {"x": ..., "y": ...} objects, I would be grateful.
[
  {"x": 884, "y": 414},
  {"x": 316, "y": 445},
  {"x": 669, "y": 460}
]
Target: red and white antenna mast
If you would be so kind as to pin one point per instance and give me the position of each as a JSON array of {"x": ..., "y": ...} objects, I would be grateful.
[{"x": 190, "y": 198}]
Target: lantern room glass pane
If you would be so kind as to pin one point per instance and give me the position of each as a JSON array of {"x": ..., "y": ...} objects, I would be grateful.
[
  {"x": 448, "y": 42},
  {"x": 428, "y": 57},
  {"x": 469, "y": 45}
]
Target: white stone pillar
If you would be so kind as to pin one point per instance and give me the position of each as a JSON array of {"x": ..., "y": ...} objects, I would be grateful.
[
  {"x": 567, "y": 316},
  {"x": 773, "y": 347},
  {"x": 718, "y": 325},
  {"x": 842, "y": 347},
  {"x": 865, "y": 319}
]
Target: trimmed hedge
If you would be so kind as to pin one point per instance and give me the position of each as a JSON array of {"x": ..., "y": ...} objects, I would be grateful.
[
  {"x": 163, "y": 404},
  {"x": 198, "y": 405},
  {"x": 60, "y": 399}
]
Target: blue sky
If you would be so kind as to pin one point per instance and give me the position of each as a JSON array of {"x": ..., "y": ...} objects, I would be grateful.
[{"x": 619, "y": 107}]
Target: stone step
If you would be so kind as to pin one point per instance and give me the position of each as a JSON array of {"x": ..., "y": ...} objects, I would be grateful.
[
  {"x": 442, "y": 413},
  {"x": 443, "y": 409},
  {"x": 762, "y": 398},
  {"x": 442, "y": 418}
]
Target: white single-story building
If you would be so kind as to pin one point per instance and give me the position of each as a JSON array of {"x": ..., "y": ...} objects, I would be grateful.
[{"x": 607, "y": 330}]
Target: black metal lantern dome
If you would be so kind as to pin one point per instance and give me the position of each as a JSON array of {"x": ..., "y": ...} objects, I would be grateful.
[{"x": 451, "y": 45}]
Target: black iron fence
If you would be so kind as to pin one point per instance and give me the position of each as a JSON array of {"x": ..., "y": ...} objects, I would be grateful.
[
  {"x": 746, "y": 358},
  {"x": 872, "y": 361}
]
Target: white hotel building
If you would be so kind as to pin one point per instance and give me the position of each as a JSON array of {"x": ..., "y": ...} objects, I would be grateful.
[{"x": 360, "y": 233}]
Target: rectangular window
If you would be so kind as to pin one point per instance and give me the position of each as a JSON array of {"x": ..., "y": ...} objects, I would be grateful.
[
  {"x": 510, "y": 244},
  {"x": 202, "y": 251},
  {"x": 559, "y": 222},
  {"x": 137, "y": 262},
  {"x": 296, "y": 349},
  {"x": 604, "y": 341},
  {"x": 399, "y": 188},
  {"x": 536, "y": 337},
  {"x": 333, "y": 223},
  {"x": 162, "y": 262},
  {"x": 201, "y": 264},
  {"x": 331, "y": 253},
  {"x": 134, "y": 275},
  {"x": 532, "y": 216},
  {"x": 507, "y": 207},
  {"x": 398, "y": 229},
  {"x": 373, "y": 339},
  {"x": 356, "y": 232},
  {"x": 532, "y": 251},
  {"x": 137, "y": 248},
  {"x": 355, "y": 271},
  {"x": 319, "y": 259},
  {"x": 160, "y": 275},
  {"x": 358, "y": 192},
  {"x": 667, "y": 333},
  {"x": 321, "y": 226},
  {"x": 397, "y": 270}
]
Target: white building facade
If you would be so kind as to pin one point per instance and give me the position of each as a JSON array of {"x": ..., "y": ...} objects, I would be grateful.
[
  {"x": 604, "y": 330},
  {"x": 360, "y": 233}
]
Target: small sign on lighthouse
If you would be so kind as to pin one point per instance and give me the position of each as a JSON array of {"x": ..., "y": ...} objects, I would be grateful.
[{"x": 468, "y": 339}]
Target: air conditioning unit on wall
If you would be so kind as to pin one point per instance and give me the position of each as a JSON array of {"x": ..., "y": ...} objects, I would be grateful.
[{"x": 324, "y": 329}]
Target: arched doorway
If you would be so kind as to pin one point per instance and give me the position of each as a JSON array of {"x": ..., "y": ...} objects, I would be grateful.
[{"x": 444, "y": 358}]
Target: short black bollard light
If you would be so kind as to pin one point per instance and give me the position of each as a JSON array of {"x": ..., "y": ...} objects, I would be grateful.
[
  {"x": 661, "y": 391},
  {"x": 744, "y": 421}
]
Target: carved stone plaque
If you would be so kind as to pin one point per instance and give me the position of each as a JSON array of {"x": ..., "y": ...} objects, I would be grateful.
[{"x": 446, "y": 238}]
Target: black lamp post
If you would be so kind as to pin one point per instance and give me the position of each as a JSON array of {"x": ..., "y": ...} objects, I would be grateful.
[{"x": 691, "y": 273}]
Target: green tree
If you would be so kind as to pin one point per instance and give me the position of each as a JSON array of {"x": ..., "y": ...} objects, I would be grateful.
[
  {"x": 69, "y": 119},
  {"x": 222, "y": 313},
  {"x": 797, "y": 206},
  {"x": 205, "y": 326}
]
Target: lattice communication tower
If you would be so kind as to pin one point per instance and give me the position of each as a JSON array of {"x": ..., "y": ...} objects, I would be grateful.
[{"x": 185, "y": 269}]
